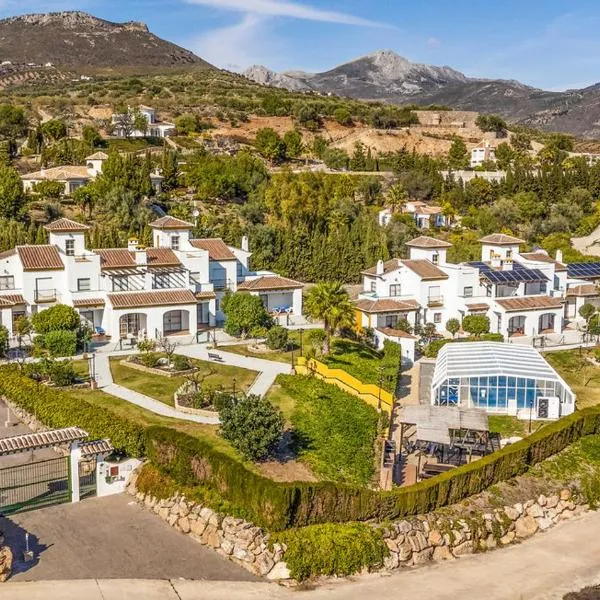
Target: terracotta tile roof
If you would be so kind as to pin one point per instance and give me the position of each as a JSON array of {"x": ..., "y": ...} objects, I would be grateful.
[
  {"x": 545, "y": 258},
  {"x": 424, "y": 241},
  {"x": 161, "y": 257},
  {"x": 425, "y": 269},
  {"x": 97, "y": 156},
  {"x": 205, "y": 295},
  {"x": 501, "y": 239},
  {"x": 430, "y": 210},
  {"x": 43, "y": 439},
  {"x": 87, "y": 302},
  {"x": 66, "y": 225},
  {"x": 217, "y": 249},
  {"x": 12, "y": 299},
  {"x": 115, "y": 258},
  {"x": 63, "y": 173},
  {"x": 153, "y": 298},
  {"x": 168, "y": 222},
  {"x": 385, "y": 305},
  {"x": 270, "y": 282},
  {"x": 585, "y": 289},
  {"x": 96, "y": 447},
  {"x": 8, "y": 253},
  {"x": 398, "y": 333},
  {"x": 40, "y": 258},
  {"x": 477, "y": 306},
  {"x": 388, "y": 267},
  {"x": 529, "y": 303}
]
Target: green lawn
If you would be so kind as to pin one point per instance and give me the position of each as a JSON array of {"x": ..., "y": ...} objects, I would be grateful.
[
  {"x": 335, "y": 432},
  {"x": 277, "y": 355},
  {"x": 508, "y": 426},
  {"x": 162, "y": 388}
]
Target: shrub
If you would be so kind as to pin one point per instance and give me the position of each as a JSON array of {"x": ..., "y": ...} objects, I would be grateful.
[
  {"x": 4, "y": 337},
  {"x": 243, "y": 313},
  {"x": 150, "y": 359},
  {"x": 146, "y": 345},
  {"x": 61, "y": 372},
  {"x": 453, "y": 326},
  {"x": 180, "y": 363},
  {"x": 252, "y": 425},
  {"x": 58, "y": 317},
  {"x": 476, "y": 324},
  {"x": 57, "y": 409},
  {"x": 60, "y": 343},
  {"x": 316, "y": 338},
  {"x": 277, "y": 338},
  {"x": 338, "y": 550}
]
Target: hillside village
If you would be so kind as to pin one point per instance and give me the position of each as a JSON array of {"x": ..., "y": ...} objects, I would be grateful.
[{"x": 291, "y": 325}]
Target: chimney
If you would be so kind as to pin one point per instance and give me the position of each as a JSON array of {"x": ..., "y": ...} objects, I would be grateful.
[
  {"x": 245, "y": 244},
  {"x": 379, "y": 268},
  {"x": 559, "y": 256},
  {"x": 132, "y": 244},
  {"x": 140, "y": 257}
]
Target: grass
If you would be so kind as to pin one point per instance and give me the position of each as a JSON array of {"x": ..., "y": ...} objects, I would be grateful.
[
  {"x": 162, "y": 388},
  {"x": 284, "y": 356},
  {"x": 335, "y": 432},
  {"x": 508, "y": 426}
]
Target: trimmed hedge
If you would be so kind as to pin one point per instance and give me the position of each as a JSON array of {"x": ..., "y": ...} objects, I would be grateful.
[
  {"x": 57, "y": 409},
  {"x": 279, "y": 506}
]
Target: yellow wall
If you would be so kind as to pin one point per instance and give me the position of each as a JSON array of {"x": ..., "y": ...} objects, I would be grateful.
[{"x": 368, "y": 392}]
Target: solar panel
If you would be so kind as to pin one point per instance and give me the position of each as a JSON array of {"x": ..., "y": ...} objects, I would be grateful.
[
  {"x": 517, "y": 275},
  {"x": 480, "y": 265},
  {"x": 584, "y": 270}
]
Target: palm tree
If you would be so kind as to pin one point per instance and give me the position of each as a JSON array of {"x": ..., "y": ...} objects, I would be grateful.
[
  {"x": 397, "y": 197},
  {"x": 330, "y": 303}
]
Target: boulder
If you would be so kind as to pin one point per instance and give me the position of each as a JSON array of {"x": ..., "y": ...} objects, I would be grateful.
[
  {"x": 264, "y": 563},
  {"x": 184, "y": 524},
  {"x": 197, "y": 527},
  {"x": 525, "y": 527},
  {"x": 422, "y": 557},
  {"x": 512, "y": 513},
  {"x": 242, "y": 553},
  {"x": 391, "y": 544},
  {"x": 542, "y": 500},
  {"x": 491, "y": 542},
  {"x": 544, "y": 523},
  {"x": 417, "y": 541},
  {"x": 436, "y": 538},
  {"x": 391, "y": 561},
  {"x": 227, "y": 547},
  {"x": 278, "y": 572},
  {"x": 404, "y": 551},
  {"x": 535, "y": 510},
  {"x": 463, "y": 549},
  {"x": 508, "y": 538},
  {"x": 565, "y": 494},
  {"x": 403, "y": 527},
  {"x": 184, "y": 509},
  {"x": 552, "y": 501},
  {"x": 442, "y": 553}
]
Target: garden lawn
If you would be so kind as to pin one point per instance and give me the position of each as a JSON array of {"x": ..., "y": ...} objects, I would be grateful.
[
  {"x": 284, "y": 356},
  {"x": 335, "y": 432},
  {"x": 162, "y": 388},
  {"x": 509, "y": 426}
]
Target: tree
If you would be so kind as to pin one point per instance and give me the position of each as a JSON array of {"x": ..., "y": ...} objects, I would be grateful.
[
  {"x": 91, "y": 136},
  {"x": 476, "y": 324},
  {"x": 491, "y": 123},
  {"x": 520, "y": 141},
  {"x": 342, "y": 116},
  {"x": 269, "y": 144},
  {"x": 277, "y": 338},
  {"x": 243, "y": 312},
  {"x": 169, "y": 169},
  {"x": 168, "y": 347},
  {"x": 316, "y": 338},
  {"x": 319, "y": 146},
  {"x": 252, "y": 425},
  {"x": 397, "y": 197},
  {"x": 330, "y": 303},
  {"x": 391, "y": 363},
  {"x": 504, "y": 155},
  {"x": 140, "y": 122},
  {"x": 85, "y": 198},
  {"x": 453, "y": 326},
  {"x": 457, "y": 155},
  {"x": 336, "y": 158},
  {"x": 56, "y": 318},
  {"x": 12, "y": 196},
  {"x": 54, "y": 129},
  {"x": 22, "y": 327},
  {"x": 586, "y": 311},
  {"x": 49, "y": 189},
  {"x": 13, "y": 121},
  {"x": 187, "y": 123},
  {"x": 308, "y": 117},
  {"x": 124, "y": 123},
  {"x": 293, "y": 143}
]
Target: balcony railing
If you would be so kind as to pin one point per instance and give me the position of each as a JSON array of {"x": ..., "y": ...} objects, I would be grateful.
[
  {"x": 223, "y": 284},
  {"x": 42, "y": 296},
  {"x": 435, "y": 301}
]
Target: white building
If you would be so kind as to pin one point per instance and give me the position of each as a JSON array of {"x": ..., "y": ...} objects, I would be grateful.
[
  {"x": 156, "y": 128},
  {"x": 522, "y": 293},
  {"x": 425, "y": 215},
  {"x": 173, "y": 287},
  {"x": 73, "y": 177},
  {"x": 482, "y": 153},
  {"x": 500, "y": 378}
]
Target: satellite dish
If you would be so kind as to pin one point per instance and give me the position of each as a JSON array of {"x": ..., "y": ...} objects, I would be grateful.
[{"x": 195, "y": 213}]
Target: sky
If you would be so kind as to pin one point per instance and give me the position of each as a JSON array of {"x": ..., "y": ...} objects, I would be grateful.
[{"x": 551, "y": 44}]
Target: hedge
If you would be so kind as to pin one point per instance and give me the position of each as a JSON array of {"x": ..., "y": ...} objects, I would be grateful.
[
  {"x": 279, "y": 506},
  {"x": 57, "y": 409}
]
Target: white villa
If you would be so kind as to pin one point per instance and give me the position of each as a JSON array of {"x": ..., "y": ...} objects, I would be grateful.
[
  {"x": 425, "y": 215},
  {"x": 174, "y": 287},
  {"x": 522, "y": 293},
  {"x": 156, "y": 128},
  {"x": 482, "y": 153},
  {"x": 73, "y": 177}
]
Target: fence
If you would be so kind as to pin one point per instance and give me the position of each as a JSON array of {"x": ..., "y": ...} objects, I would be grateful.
[{"x": 372, "y": 394}]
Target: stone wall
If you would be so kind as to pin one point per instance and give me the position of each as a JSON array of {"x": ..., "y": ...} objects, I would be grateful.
[{"x": 411, "y": 542}]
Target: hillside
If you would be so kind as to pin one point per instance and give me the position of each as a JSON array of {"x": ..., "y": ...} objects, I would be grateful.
[
  {"x": 386, "y": 76},
  {"x": 77, "y": 39}
]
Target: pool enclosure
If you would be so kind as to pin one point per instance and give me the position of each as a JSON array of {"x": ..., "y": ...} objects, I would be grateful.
[{"x": 500, "y": 378}]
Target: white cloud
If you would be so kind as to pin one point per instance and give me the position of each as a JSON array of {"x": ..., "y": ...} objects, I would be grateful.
[
  {"x": 433, "y": 42},
  {"x": 285, "y": 8}
]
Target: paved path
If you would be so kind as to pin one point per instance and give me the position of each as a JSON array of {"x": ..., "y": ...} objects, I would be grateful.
[{"x": 546, "y": 567}]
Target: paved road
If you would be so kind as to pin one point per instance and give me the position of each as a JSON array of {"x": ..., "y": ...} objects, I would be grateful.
[
  {"x": 110, "y": 538},
  {"x": 546, "y": 567}
]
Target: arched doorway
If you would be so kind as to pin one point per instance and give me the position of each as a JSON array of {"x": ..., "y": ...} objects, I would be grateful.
[
  {"x": 516, "y": 325},
  {"x": 546, "y": 323},
  {"x": 132, "y": 325},
  {"x": 176, "y": 321}
]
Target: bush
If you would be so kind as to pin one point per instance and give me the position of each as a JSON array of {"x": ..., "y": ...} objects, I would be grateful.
[
  {"x": 57, "y": 409},
  {"x": 150, "y": 359},
  {"x": 4, "y": 337},
  {"x": 476, "y": 324},
  {"x": 61, "y": 373},
  {"x": 338, "y": 550},
  {"x": 243, "y": 313},
  {"x": 60, "y": 343},
  {"x": 180, "y": 363},
  {"x": 277, "y": 338},
  {"x": 252, "y": 425},
  {"x": 57, "y": 318}
]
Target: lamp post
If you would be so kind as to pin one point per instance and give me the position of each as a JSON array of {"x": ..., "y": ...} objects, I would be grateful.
[
  {"x": 530, "y": 413},
  {"x": 92, "y": 368},
  {"x": 301, "y": 342},
  {"x": 233, "y": 388}
]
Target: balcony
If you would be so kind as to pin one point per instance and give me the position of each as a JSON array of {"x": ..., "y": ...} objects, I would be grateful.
[
  {"x": 223, "y": 284},
  {"x": 45, "y": 296},
  {"x": 433, "y": 301}
]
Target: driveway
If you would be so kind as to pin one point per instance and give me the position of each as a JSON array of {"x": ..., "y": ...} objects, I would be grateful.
[{"x": 110, "y": 538}]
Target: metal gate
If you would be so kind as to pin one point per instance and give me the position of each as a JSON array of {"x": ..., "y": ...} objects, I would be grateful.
[
  {"x": 34, "y": 485},
  {"x": 87, "y": 477}
]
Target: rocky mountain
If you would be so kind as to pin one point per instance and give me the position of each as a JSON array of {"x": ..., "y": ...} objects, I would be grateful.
[
  {"x": 386, "y": 76},
  {"x": 77, "y": 39}
]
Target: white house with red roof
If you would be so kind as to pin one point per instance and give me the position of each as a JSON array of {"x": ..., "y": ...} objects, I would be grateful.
[{"x": 173, "y": 287}]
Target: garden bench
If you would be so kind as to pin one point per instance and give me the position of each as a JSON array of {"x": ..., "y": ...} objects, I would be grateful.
[{"x": 215, "y": 356}]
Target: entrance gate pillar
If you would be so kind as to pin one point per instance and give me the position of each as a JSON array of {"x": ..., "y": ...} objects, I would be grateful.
[{"x": 74, "y": 458}]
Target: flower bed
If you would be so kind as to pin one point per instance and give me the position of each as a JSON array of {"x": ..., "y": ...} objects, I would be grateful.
[{"x": 184, "y": 399}]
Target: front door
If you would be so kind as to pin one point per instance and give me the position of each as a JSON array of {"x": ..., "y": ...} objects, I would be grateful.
[
  {"x": 129, "y": 325},
  {"x": 173, "y": 322}
]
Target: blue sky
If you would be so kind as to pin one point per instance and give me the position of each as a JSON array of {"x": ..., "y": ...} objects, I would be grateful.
[{"x": 552, "y": 44}]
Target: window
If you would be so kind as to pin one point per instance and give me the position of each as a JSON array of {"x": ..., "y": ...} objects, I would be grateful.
[
  {"x": 468, "y": 291},
  {"x": 435, "y": 258},
  {"x": 161, "y": 281},
  {"x": 391, "y": 321},
  {"x": 7, "y": 282},
  {"x": 84, "y": 285},
  {"x": 70, "y": 247},
  {"x": 120, "y": 283},
  {"x": 174, "y": 242},
  {"x": 437, "y": 317},
  {"x": 373, "y": 286},
  {"x": 395, "y": 289},
  {"x": 509, "y": 254}
]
